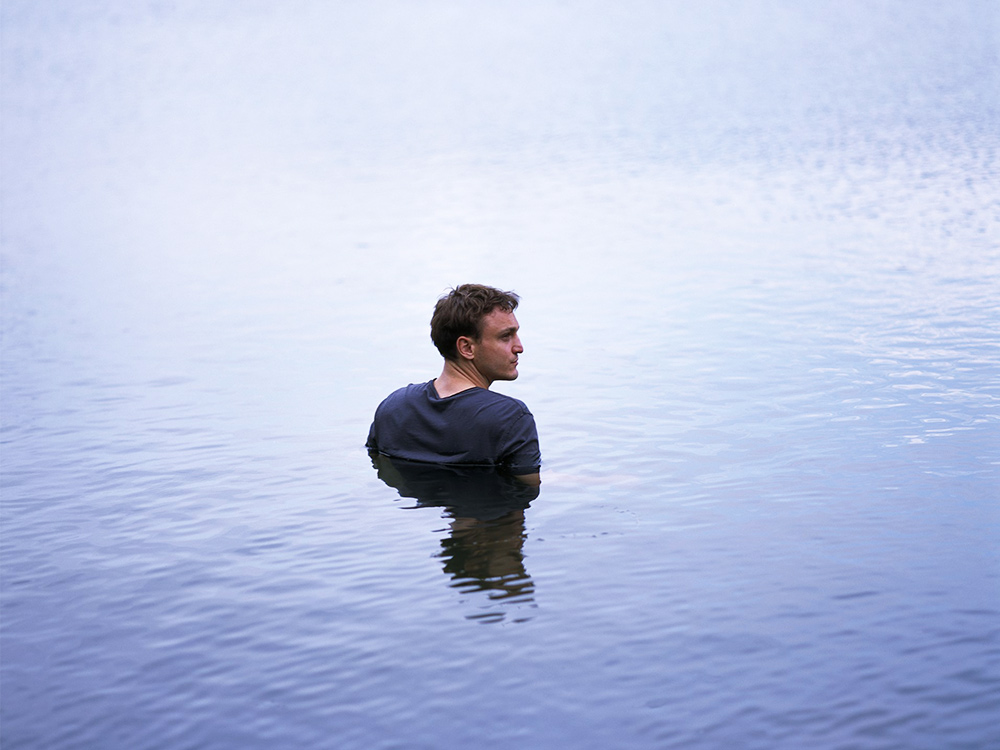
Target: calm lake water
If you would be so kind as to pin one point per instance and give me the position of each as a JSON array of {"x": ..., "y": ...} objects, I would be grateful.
[{"x": 758, "y": 248}]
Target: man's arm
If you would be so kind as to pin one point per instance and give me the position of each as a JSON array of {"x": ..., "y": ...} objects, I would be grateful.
[{"x": 521, "y": 454}]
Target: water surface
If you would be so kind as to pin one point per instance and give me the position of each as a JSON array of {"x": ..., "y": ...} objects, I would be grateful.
[{"x": 757, "y": 247}]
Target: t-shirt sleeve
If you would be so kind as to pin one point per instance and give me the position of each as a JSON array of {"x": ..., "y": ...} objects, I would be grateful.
[{"x": 521, "y": 454}]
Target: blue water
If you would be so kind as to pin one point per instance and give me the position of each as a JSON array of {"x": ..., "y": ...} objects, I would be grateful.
[{"x": 758, "y": 248}]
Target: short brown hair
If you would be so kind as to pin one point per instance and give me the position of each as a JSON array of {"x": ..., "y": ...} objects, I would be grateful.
[{"x": 460, "y": 312}]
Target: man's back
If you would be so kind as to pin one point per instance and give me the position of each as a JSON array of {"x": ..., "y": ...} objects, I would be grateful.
[{"x": 472, "y": 427}]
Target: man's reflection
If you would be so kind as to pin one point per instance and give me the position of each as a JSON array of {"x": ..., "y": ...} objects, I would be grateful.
[{"x": 483, "y": 551}]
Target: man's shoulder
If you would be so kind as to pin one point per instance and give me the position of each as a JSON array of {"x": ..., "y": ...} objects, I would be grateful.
[
  {"x": 423, "y": 397},
  {"x": 406, "y": 393},
  {"x": 514, "y": 403},
  {"x": 499, "y": 400}
]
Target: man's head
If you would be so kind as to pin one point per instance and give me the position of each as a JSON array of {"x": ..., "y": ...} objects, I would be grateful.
[{"x": 462, "y": 312}]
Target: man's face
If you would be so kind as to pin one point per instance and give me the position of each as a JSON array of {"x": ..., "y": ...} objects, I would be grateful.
[{"x": 497, "y": 348}]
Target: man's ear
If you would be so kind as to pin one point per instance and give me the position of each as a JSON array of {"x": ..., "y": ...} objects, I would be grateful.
[{"x": 466, "y": 347}]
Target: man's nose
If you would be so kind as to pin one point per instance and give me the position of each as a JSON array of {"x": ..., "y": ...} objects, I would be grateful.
[{"x": 517, "y": 344}]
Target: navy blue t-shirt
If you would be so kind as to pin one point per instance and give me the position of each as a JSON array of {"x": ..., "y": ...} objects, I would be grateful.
[{"x": 475, "y": 427}]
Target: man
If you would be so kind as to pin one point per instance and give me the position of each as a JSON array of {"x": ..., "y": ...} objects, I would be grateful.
[{"x": 456, "y": 419}]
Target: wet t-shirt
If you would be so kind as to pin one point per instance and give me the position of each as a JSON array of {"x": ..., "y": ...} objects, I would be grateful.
[{"x": 474, "y": 427}]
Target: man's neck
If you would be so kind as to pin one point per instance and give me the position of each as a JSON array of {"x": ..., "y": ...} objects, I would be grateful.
[{"x": 458, "y": 376}]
